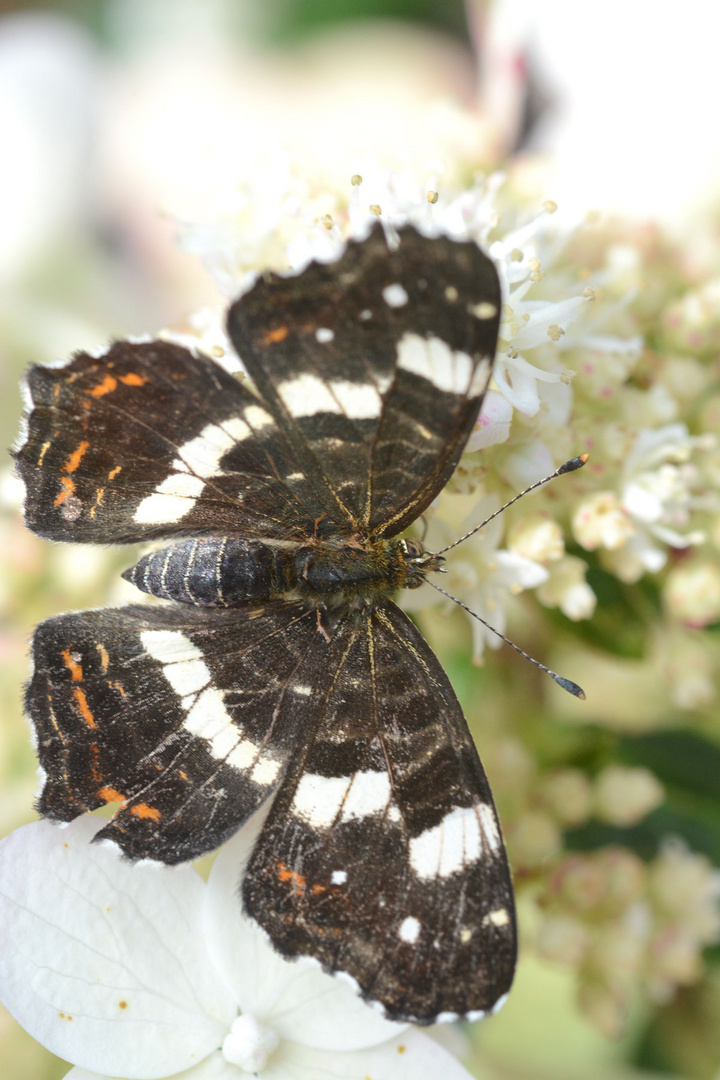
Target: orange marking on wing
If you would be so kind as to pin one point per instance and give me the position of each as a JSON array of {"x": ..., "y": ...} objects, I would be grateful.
[
  {"x": 84, "y": 708},
  {"x": 113, "y": 472},
  {"x": 98, "y": 499},
  {"x": 274, "y": 336},
  {"x": 73, "y": 667},
  {"x": 107, "y": 386},
  {"x": 76, "y": 457},
  {"x": 114, "y": 685},
  {"x": 182, "y": 774},
  {"x": 145, "y": 812},
  {"x": 286, "y": 874},
  {"x": 319, "y": 888},
  {"x": 68, "y": 487},
  {"x": 110, "y": 794},
  {"x": 104, "y": 658},
  {"x": 45, "y": 447},
  {"x": 131, "y": 379},
  {"x": 95, "y": 763}
]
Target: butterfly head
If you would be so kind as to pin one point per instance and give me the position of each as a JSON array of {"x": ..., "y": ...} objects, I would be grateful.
[{"x": 417, "y": 562}]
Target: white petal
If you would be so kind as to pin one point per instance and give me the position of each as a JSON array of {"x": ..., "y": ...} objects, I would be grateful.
[
  {"x": 102, "y": 961},
  {"x": 410, "y": 1056},
  {"x": 296, "y": 998},
  {"x": 493, "y": 424},
  {"x": 213, "y": 1067}
]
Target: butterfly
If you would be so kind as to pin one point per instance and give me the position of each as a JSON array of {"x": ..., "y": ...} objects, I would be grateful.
[{"x": 279, "y": 664}]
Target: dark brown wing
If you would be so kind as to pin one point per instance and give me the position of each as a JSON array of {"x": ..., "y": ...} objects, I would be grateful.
[
  {"x": 152, "y": 440},
  {"x": 375, "y": 367},
  {"x": 382, "y": 855}
]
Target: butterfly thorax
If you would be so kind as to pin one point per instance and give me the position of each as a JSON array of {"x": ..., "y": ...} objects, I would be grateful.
[{"x": 228, "y": 571}]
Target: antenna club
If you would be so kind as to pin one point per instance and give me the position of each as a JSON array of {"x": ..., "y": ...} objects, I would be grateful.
[
  {"x": 573, "y": 464},
  {"x": 569, "y": 685}
]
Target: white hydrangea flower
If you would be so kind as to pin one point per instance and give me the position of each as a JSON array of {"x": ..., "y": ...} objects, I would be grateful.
[
  {"x": 142, "y": 971},
  {"x": 655, "y": 498},
  {"x": 485, "y": 575}
]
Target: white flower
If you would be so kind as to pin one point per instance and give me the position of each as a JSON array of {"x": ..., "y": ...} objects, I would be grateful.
[
  {"x": 146, "y": 972},
  {"x": 655, "y": 497},
  {"x": 485, "y": 578}
]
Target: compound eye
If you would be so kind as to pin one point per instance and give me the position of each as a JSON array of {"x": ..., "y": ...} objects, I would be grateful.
[{"x": 413, "y": 548}]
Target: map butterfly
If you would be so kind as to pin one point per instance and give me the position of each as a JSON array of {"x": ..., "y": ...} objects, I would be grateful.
[{"x": 279, "y": 663}]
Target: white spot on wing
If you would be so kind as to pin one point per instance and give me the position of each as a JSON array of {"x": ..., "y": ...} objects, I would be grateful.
[
  {"x": 266, "y": 771},
  {"x": 369, "y": 794},
  {"x": 434, "y": 360},
  {"x": 171, "y": 501},
  {"x": 359, "y": 401},
  {"x": 318, "y": 798},
  {"x": 498, "y": 917},
  {"x": 257, "y": 417},
  {"x": 409, "y": 930},
  {"x": 338, "y": 877},
  {"x": 323, "y": 335},
  {"x": 189, "y": 677},
  {"x": 206, "y": 716},
  {"x": 489, "y": 826},
  {"x": 169, "y": 646},
  {"x": 307, "y": 395},
  {"x": 198, "y": 460},
  {"x": 454, "y": 842},
  {"x": 202, "y": 454},
  {"x": 395, "y": 295},
  {"x": 481, "y": 377}
]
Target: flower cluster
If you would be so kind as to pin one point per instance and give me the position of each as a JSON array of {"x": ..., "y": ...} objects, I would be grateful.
[{"x": 626, "y": 926}]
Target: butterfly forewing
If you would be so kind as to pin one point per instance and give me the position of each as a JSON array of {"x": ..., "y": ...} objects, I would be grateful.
[
  {"x": 382, "y": 855},
  {"x": 375, "y": 367},
  {"x": 152, "y": 440}
]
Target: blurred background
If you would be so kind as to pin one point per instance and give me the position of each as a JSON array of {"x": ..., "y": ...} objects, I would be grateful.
[{"x": 121, "y": 121}]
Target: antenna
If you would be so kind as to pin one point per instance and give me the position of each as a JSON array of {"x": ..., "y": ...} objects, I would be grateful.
[
  {"x": 568, "y": 466},
  {"x": 567, "y": 684}
]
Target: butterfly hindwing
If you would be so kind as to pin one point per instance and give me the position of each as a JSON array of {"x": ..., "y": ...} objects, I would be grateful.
[
  {"x": 185, "y": 717},
  {"x": 375, "y": 366},
  {"x": 382, "y": 855}
]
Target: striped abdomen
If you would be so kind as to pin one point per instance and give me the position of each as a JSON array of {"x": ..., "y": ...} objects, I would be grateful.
[{"x": 218, "y": 571}]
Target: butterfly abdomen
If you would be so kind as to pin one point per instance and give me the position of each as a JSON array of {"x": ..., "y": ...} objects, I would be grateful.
[{"x": 216, "y": 571}]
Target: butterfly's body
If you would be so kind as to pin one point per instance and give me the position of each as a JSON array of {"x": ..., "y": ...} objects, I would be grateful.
[
  {"x": 286, "y": 670},
  {"x": 227, "y": 572}
]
